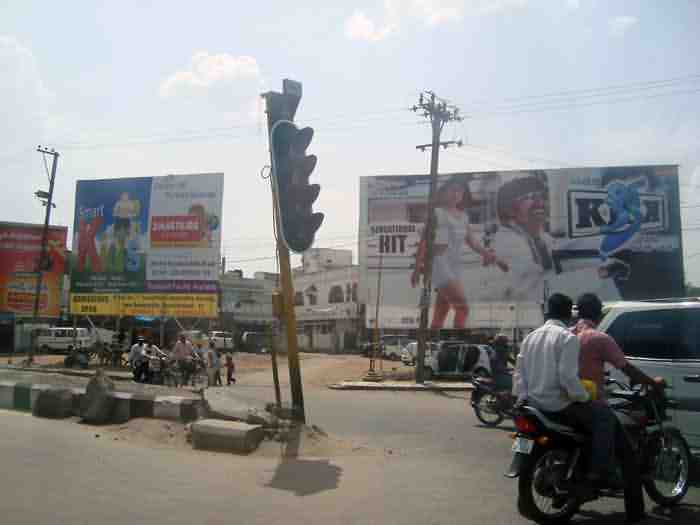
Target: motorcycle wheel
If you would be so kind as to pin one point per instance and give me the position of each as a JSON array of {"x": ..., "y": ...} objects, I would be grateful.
[
  {"x": 486, "y": 408},
  {"x": 666, "y": 480},
  {"x": 536, "y": 489}
]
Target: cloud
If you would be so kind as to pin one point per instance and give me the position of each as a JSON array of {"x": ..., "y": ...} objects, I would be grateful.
[
  {"x": 207, "y": 70},
  {"x": 573, "y": 4},
  {"x": 619, "y": 25},
  {"x": 360, "y": 27},
  {"x": 430, "y": 13}
]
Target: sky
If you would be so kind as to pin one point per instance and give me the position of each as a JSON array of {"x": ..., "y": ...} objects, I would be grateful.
[{"x": 130, "y": 89}]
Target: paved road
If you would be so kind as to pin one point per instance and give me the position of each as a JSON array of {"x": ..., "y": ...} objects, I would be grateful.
[{"x": 443, "y": 468}]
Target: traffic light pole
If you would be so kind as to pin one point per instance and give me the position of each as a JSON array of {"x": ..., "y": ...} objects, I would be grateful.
[
  {"x": 290, "y": 322},
  {"x": 278, "y": 108}
]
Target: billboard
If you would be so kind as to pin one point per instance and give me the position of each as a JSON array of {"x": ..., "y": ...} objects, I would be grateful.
[
  {"x": 506, "y": 240},
  {"x": 20, "y": 248},
  {"x": 147, "y": 246}
]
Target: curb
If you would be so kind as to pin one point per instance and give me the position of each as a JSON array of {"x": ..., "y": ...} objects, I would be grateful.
[
  {"x": 22, "y": 396},
  {"x": 411, "y": 387},
  {"x": 67, "y": 372}
]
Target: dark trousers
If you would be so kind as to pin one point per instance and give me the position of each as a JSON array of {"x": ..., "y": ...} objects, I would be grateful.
[
  {"x": 609, "y": 440},
  {"x": 141, "y": 372},
  {"x": 186, "y": 368}
]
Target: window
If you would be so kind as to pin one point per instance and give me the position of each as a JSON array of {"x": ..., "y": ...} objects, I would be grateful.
[
  {"x": 348, "y": 292},
  {"x": 312, "y": 299},
  {"x": 354, "y": 292},
  {"x": 298, "y": 299},
  {"x": 336, "y": 294},
  {"x": 655, "y": 334}
]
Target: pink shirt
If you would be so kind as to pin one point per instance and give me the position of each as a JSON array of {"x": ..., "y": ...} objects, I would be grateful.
[
  {"x": 182, "y": 350},
  {"x": 597, "y": 348}
]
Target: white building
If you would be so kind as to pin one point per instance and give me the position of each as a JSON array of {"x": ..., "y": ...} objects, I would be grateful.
[
  {"x": 247, "y": 303},
  {"x": 327, "y": 309}
]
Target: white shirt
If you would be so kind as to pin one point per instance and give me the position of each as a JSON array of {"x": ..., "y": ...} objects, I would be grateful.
[
  {"x": 136, "y": 354},
  {"x": 546, "y": 373}
]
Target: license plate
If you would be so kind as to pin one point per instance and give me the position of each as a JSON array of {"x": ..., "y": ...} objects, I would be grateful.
[{"x": 522, "y": 445}]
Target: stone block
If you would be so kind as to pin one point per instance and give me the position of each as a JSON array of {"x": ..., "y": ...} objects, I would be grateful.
[{"x": 234, "y": 436}]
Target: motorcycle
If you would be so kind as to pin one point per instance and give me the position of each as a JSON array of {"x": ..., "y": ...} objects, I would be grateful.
[
  {"x": 491, "y": 404},
  {"x": 549, "y": 458}
]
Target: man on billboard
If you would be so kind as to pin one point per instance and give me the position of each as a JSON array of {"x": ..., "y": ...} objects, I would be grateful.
[
  {"x": 452, "y": 232},
  {"x": 523, "y": 211}
]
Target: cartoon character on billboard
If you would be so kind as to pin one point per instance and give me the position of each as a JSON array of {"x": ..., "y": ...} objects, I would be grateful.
[
  {"x": 87, "y": 249},
  {"x": 626, "y": 212},
  {"x": 452, "y": 232}
]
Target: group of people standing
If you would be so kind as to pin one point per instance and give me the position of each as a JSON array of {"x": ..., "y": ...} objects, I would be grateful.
[{"x": 145, "y": 358}]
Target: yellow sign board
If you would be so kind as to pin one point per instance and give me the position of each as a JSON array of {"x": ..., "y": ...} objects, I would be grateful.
[{"x": 151, "y": 305}]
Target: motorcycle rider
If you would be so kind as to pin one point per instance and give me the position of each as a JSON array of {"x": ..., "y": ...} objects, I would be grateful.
[
  {"x": 138, "y": 360},
  {"x": 547, "y": 377},
  {"x": 597, "y": 349}
]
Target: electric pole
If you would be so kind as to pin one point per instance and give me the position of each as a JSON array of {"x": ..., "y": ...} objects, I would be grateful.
[
  {"x": 47, "y": 198},
  {"x": 439, "y": 112}
]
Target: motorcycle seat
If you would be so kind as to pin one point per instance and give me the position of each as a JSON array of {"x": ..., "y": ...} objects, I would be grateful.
[{"x": 553, "y": 425}]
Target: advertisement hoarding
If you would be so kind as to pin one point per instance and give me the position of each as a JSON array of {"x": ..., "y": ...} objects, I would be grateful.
[
  {"x": 147, "y": 246},
  {"x": 20, "y": 248},
  {"x": 506, "y": 240}
]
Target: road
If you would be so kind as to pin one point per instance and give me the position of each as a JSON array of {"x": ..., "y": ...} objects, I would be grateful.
[{"x": 416, "y": 458}]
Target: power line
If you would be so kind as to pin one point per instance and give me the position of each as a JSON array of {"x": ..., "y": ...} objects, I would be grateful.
[
  {"x": 597, "y": 91},
  {"x": 570, "y": 106}
]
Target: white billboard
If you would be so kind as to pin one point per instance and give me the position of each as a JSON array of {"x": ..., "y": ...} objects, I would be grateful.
[{"x": 505, "y": 240}]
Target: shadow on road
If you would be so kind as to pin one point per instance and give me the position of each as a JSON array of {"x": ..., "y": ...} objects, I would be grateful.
[
  {"x": 304, "y": 477},
  {"x": 681, "y": 514}
]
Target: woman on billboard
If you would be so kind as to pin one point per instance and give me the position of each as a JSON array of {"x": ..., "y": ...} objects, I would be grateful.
[{"x": 452, "y": 231}]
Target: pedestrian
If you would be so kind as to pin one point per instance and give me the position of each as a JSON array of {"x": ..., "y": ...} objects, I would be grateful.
[
  {"x": 183, "y": 354},
  {"x": 230, "y": 369},
  {"x": 217, "y": 373},
  {"x": 211, "y": 365}
]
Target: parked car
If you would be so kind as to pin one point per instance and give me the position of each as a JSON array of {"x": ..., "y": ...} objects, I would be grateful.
[
  {"x": 459, "y": 360},
  {"x": 254, "y": 342},
  {"x": 57, "y": 339},
  {"x": 410, "y": 351},
  {"x": 662, "y": 338},
  {"x": 392, "y": 347},
  {"x": 222, "y": 340}
]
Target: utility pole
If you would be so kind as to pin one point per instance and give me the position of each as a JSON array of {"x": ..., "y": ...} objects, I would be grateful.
[
  {"x": 47, "y": 198},
  {"x": 439, "y": 113},
  {"x": 372, "y": 374}
]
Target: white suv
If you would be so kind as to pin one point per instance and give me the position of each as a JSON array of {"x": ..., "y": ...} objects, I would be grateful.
[{"x": 662, "y": 338}]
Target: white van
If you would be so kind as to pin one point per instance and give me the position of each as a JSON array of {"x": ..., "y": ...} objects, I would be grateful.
[
  {"x": 56, "y": 339},
  {"x": 662, "y": 337}
]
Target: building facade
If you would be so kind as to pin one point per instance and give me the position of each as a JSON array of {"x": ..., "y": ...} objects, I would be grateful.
[
  {"x": 246, "y": 303},
  {"x": 326, "y": 303}
]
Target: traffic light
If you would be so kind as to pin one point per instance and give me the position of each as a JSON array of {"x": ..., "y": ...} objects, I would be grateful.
[{"x": 291, "y": 168}]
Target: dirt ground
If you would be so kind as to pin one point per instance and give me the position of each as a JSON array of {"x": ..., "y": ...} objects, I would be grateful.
[{"x": 306, "y": 442}]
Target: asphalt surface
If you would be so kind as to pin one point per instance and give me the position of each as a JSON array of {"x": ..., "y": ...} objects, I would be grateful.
[{"x": 430, "y": 463}]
